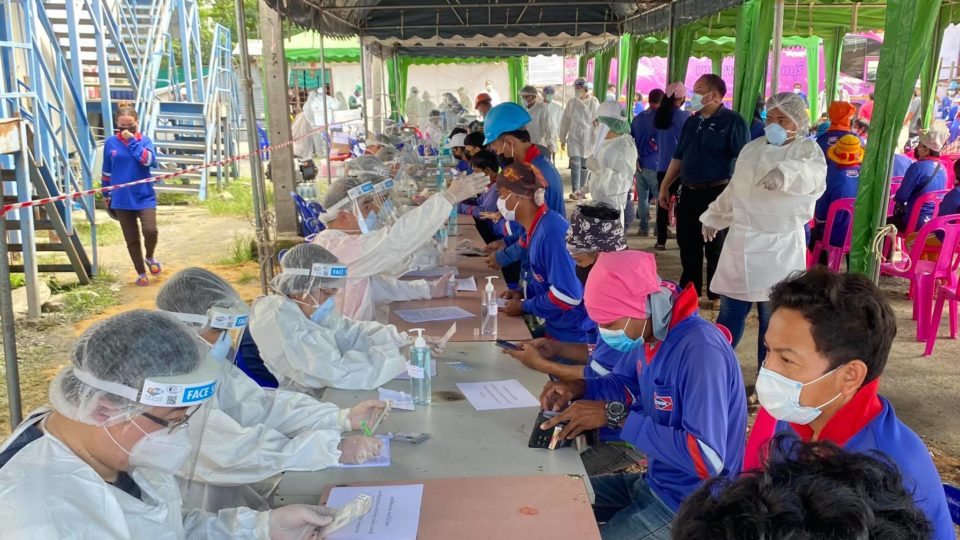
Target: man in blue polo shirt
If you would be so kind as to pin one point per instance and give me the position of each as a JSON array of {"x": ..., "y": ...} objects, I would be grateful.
[
  {"x": 709, "y": 144},
  {"x": 645, "y": 137},
  {"x": 828, "y": 340},
  {"x": 683, "y": 405},
  {"x": 552, "y": 290}
]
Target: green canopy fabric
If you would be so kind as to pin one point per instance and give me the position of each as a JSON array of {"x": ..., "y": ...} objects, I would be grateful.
[
  {"x": 908, "y": 33},
  {"x": 679, "y": 57},
  {"x": 305, "y": 47},
  {"x": 754, "y": 30},
  {"x": 601, "y": 71}
]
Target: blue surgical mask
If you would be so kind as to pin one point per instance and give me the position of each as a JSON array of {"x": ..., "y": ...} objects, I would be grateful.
[
  {"x": 370, "y": 223},
  {"x": 323, "y": 311},
  {"x": 696, "y": 102},
  {"x": 776, "y": 134},
  {"x": 386, "y": 210},
  {"x": 618, "y": 340},
  {"x": 220, "y": 350}
]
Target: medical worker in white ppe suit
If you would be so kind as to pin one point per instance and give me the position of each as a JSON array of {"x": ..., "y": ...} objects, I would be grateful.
[
  {"x": 253, "y": 434},
  {"x": 101, "y": 463}
]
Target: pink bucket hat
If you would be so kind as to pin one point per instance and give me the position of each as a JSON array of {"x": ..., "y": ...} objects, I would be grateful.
[
  {"x": 676, "y": 90},
  {"x": 619, "y": 285}
]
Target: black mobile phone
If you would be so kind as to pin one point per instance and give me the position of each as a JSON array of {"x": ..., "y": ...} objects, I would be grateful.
[{"x": 504, "y": 344}]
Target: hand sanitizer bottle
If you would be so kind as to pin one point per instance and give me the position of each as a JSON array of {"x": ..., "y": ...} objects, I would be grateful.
[
  {"x": 419, "y": 369},
  {"x": 489, "y": 309}
]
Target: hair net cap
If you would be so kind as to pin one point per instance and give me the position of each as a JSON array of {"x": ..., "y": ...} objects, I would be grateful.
[
  {"x": 365, "y": 163},
  {"x": 528, "y": 91},
  {"x": 307, "y": 267},
  {"x": 793, "y": 106},
  {"x": 549, "y": 91},
  {"x": 130, "y": 362},
  {"x": 339, "y": 190},
  {"x": 201, "y": 300},
  {"x": 388, "y": 153}
]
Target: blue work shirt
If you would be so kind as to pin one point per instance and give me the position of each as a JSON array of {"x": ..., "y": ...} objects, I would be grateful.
[
  {"x": 912, "y": 187},
  {"x": 709, "y": 147},
  {"x": 842, "y": 183},
  {"x": 645, "y": 137},
  {"x": 464, "y": 167},
  {"x": 830, "y": 138},
  {"x": 901, "y": 162},
  {"x": 667, "y": 139},
  {"x": 248, "y": 361},
  {"x": 756, "y": 130},
  {"x": 553, "y": 291},
  {"x": 689, "y": 414},
  {"x": 950, "y": 204},
  {"x": 125, "y": 162}
]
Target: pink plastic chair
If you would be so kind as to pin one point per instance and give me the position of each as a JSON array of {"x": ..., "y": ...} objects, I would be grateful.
[
  {"x": 894, "y": 186},
  {"x": 945, "y": 294},
  {"x": 934, "y": 197},
  {"x": 926, "y": 276},
  {"x": 834, "y": 254}
]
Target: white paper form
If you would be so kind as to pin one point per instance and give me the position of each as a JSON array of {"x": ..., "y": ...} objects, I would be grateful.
[
  {"x": 436, "y": 271},
  {"x": 383, "y": 460},
  {"x": 447, "y": 313},
  {"x": 395, "y": 514},
  {"x": 467, "y": 284},
  {"x": 488, "y": 396}
]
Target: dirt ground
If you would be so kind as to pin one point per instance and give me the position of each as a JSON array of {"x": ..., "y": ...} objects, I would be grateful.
[{"x": 924, "y": 391}]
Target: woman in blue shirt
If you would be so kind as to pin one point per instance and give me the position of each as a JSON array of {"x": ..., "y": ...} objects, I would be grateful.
[
  {"x": 668, "y": 122},
  {"x": 127, "y": 158},
  {"x": 925, "y": 176}
]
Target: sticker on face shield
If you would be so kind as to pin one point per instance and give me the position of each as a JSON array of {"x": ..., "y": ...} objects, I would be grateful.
[
  {"x": 228, "y": 321},
  {"x": 160, "y": 394},
  {"x": 386, "y": 185},
  {"x": 329, "y": 270},
  {"x": 360, "y": 191}
]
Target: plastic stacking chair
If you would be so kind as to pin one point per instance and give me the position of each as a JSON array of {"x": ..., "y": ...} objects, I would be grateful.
[
  {"x": 308, "y": 219},
  {"x": 946, "y": 293},
  {"x": 933, "y": 197},
  {"x": 927, "y": 275},
  {"x": 834, "y": 253},
  {"x": 894, "y": 186}
]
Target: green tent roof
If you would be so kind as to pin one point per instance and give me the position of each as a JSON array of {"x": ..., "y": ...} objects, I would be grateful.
[{"x": 305, "y": 47}]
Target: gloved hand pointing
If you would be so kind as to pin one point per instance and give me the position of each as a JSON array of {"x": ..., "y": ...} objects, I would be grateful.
[
  {"x": 358, "y": 449},
  {"x": 464, "y": 187},
  {"x": 297, "y": 521}
]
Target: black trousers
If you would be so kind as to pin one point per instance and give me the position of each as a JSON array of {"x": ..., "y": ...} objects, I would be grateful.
[
  {"x": 663, "y": 214},
  {"x": 691, "y": 204}
]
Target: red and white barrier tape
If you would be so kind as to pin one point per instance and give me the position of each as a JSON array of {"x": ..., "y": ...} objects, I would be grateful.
[{"x": 152, "y": 179}]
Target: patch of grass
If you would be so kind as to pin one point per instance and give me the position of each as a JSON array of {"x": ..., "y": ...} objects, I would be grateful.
[
  {"x": 176, "y": 199},
  {"x": 240, "y": 251},
  {"x": 236, "y": 199},
  {"x": 17, "y": 281},
  {"x": 108, "y": 233},
  {"x": 84, "y": 301},
  {"x": 247, "y": 278}
]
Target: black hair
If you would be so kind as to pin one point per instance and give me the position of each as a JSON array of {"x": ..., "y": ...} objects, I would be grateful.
[
  {"x": 474, "y": 139},
  {"x": 458, "y": 130},
  {"x": 806, "y": 491},
  {"x": 521, "y": 134},
  {"x": 849, "y": 317},
  {"x": 956, "y": 170},
  {"x": 485, "y": 159},
  {"x": 656, "y": 96},
  {"x": 663, "y": 118},
  {"x": 871, "y": 96},
  {"x": 599, "y": 211},
  {"x": 758, "y": 108},
  {"x": 715, "y": 82},
  {"x": 863, "y": 125}
]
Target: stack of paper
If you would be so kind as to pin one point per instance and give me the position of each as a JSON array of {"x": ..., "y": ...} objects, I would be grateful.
[{"x": 395, "y": 514}]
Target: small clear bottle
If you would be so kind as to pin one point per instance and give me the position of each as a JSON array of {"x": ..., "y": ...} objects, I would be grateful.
[
  {"x": 419, "y": 369},
  {"x": 489, "y": 309}
]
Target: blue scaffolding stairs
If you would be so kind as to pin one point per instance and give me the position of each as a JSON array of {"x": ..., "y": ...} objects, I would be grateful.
[{"x": 66, "y": 65}]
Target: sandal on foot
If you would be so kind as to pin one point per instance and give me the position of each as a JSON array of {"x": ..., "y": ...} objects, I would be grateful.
[
  {"x": 142, "y": 280},
  {"x": 154, "y": 266}
]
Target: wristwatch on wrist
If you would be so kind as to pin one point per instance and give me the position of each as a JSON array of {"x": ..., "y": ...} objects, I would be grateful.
[{"x": 616, "y": 413}]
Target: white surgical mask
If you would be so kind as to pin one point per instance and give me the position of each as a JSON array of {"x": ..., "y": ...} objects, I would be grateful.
[
  {"x": 780, "y": 397},
  {"x": 159, "y": 450},
  {"x": 220, "y": 349},
  {"x": 509, "y": 215}
]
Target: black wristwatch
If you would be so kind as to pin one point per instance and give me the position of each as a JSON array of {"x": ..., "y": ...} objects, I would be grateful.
[{"x": 616, "y": 413}]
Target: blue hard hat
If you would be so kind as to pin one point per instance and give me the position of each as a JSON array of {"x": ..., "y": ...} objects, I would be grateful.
[{"x": 507, "y": 116}]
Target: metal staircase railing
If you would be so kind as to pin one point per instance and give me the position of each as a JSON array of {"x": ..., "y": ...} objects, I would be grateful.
[{"x": 221, "y": 94}]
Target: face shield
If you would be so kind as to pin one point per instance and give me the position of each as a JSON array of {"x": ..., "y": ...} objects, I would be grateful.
[
  {"x": 360, "y": 203},
  {"x": 317, "y": 284},
  {"x": 385, "y": 199}
]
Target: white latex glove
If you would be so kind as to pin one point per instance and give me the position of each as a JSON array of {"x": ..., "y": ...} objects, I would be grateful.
[
  {"x": 464, "y": 187},
  {"x": 593, "y": 164},
  {"x": 773, "y": 180},
  {"x": 709, "y": 233},
  {"x": 436, "y": 347},
  {"x": 438, "y": 288},
  {"x": 448, "y": 258},
  {"x": 357, "y": 449},
  {"x": 365, "y": 411},
  {"x": 297, "y": 521}
]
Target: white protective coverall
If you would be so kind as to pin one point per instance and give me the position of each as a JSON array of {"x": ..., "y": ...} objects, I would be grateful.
[
  {"x": 251, "y": 435},
  {"x": 555, "y": 114},
  {"x": 426, "y": 105},
  {"x": 541, "y": 127},
  {"x": 412, "y": 108},
  {"x": 387, "y": 251},
  {"x": 338, "y": 352},
  {"x": 47, "y": 491},
  {"x": 766, "y": 241},
  {"x": 612, "y": 168},
  {"x": 576, "y": 125}
]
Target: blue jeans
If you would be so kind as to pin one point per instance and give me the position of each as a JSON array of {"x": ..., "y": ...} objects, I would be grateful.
[
  {"x": 647, "y": 188},
  {"x": 578, "y": 171},
  {"x": 733, "y": 315},
  {"x": 628, "y": 509}
]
